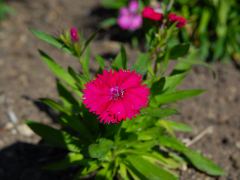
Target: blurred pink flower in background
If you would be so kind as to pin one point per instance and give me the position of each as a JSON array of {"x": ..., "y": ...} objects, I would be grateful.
[{"x": 129, "y": 17}]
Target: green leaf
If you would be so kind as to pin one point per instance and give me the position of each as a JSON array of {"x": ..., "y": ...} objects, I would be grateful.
[
  {"x": 141, "y": 65},
  {"x": 89, "y": 168},
  {"x": 200, "y": 162},
  {"x": 123, "y": 171},
  {"x": 179, "y": 51},
  {"x": 176, "y": 96},
  {"x": 105, "y": 173},
  {"x": 54, "y": 105},
  {"x": 55, "y": 137},
  {"x": 144, "y": 135},
  {"x": 147, "y": 169},
  {"x": 75, "y": 123},
  {"x": 167, "y": 84},
  {"x": 168, "y": 162},
  {"x": 174, "y": 125},
  {"x": 101, "y": 62},
  {"x": 108, "y": 23},
  {"x": 149, "y": 134},
  {"x": 68, "y": 99},
  {"x": 158, "y": 112},
  {"x": 101, "y": 149},
  {"x": 85, "y": 64},
  {"x": 171, "y": 142},
  {"x": 57, "y": 69},
  {"x": 80, "y": 79},
  {"x": 204, "y": 164},
  {"x": 72, "y": 159},
  {"x": 55, "y": 42},
  {"x": 88, "y": 41},
  {"x": 112, "y": 4},
  {"x": 171, "y": 82},
  {"x": 120, "y": 61}
]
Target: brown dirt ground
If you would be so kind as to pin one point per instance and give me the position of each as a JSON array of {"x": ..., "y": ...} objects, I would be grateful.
[{"x": 23, "y": 79}]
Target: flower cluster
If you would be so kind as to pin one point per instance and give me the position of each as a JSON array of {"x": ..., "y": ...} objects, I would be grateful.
[
  {"x": 116, "y": 95},
  {"x": 157, "y": 15},
  {"x": 131, "y": 19}
]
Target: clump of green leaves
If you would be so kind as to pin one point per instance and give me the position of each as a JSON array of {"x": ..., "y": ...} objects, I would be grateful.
[
  {"x": 214, "y": 27},
  {"x": 143, "y": 148},
  {"x": 4, "y": 9}
]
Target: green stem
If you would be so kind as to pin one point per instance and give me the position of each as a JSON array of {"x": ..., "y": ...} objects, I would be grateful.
[{"x": 169, "y": 7}]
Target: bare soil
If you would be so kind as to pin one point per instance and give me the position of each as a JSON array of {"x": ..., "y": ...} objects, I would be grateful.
[{"x": 24, "y": 79}]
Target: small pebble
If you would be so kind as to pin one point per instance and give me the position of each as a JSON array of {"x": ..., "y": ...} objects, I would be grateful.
[
  {"x": 8, "y": 126},
  {"x": 2, "y": 97},
  {"x": 25, "y": 130},
  {"x": 238, "y": 144},
  {"x": 13, "y": 131}
]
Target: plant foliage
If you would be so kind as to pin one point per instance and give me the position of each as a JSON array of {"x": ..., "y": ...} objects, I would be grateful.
[{"x": 145, "y": 147}]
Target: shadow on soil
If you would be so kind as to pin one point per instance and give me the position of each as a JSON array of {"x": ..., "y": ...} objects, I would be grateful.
[{"x": 23, "y": 161}]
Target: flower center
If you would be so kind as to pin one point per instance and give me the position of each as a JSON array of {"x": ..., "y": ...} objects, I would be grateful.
[{"x": 116, "y": 93}]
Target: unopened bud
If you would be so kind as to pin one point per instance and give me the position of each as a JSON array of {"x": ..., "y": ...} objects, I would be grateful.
[{"x": 74, "y": 34}]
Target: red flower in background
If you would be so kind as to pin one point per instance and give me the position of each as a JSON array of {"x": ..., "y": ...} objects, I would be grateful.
[
  {"x": 152, "y": 14},
  {"x": 116, "y": 95},
  {"x": 181, "y": 21}
]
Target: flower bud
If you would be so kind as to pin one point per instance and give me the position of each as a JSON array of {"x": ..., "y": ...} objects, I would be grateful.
[
  {"x": 74, "y": 34},
  {"x": 181, "y": 21}
]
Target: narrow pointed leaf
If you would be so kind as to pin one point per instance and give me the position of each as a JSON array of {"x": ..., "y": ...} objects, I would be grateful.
[
  {"x": 176, "y": 126},
  {"x": 200, "y": 162},
  {"x": 57, "y": 69},
  {"x": 149, "y": 170},
  {"x": 108, "y": 23},
  {"x": 55, "y": 42},
  {"x": 120, "y": 61},
  {"x": 176, "y": 96},
  {"x": 158, "y": 112},
  {"x": 54, "y": 105},
  {"x": 88, "y": 41},
  {"x": 67, "y": 97},
  {"x": 204, "y": 164},
  {"x": 85, "y": 63},
  {"x": 101, "y": 62},
  {"x": 55, "y": 137}
]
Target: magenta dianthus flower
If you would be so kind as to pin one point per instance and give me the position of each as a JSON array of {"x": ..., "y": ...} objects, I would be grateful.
[
  {"x": 116, "y": 95},
  {"x": 129, "y": 17}
]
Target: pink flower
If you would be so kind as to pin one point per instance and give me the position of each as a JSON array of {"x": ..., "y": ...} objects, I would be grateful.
[
  {"x": 181, "y": 21},
  {"x": 116, "y": 95},
  {"x": 152, "y": 14},
  {"x": 74, "y": 34},
  {"x": 128, "y": 18}
]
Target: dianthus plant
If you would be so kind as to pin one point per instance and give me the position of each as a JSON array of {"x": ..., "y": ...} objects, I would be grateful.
[{"x": 115, "y": 121}]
